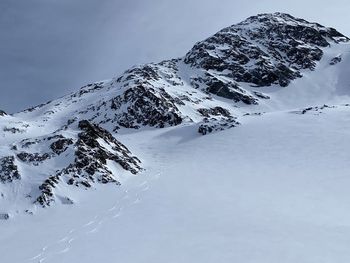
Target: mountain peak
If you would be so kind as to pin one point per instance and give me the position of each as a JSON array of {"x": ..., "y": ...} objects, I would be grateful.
[
  {"x": 279, "y": 18},
  {"x": 286, "y": 23},
  {"x": 265, "y": 49}
]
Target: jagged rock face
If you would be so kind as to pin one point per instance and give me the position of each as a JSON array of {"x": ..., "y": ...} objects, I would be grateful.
[
  {"x": 91, "y": 154},
  {"x": 34, "y": 158},
  {"x": 2, "y": 113},
  {"x": 216, "y": 119},
  {"x": 61, "y": 145},
  {"x": 153, "y": 95},
  {"x": 77, "y": 155},
  {"x": 225, "y": 89},
  {"x": 8, "y": 170},
  {"x": 265, "y": 49},
  {"x": 92, "y": 150},
  {"x": 141, "y": 100},
  {"x": 58, "y": 144},
  {"x": 146, "y": 106}
]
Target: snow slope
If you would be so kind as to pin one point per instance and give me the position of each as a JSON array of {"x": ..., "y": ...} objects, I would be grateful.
[{"x": 272, "y": 190}]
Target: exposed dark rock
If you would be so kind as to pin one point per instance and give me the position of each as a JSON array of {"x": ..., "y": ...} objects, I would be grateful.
[
  {"x": 335, "y": 60},
  {"x": 4, "y": 216},
  {"x": 306, "y": 110},
  {"x": 253, "y": 114},
  {"x": 93, "y": 149},
  {"x": 60, "y": 145},
  {"x": 227, "y": 90},
  {"x": 27, "y": 211},
  {"x": 34, "y": 158},
  {"x": 88, "y": 137},
  {"x": 140, "y": 105},
  {"x": 216, "y": 119},
  {"x": 88, "y": 89},
  {"x": 36, "y": 107},
  {"x": 265, "y": 49},
  {"x": 47, "y": 191},
  {"x": 145, "y": 108},
  {"x": 216, "y": 111},
  {"x": 316, "y": 109},
  {"x": 261, "y": 95},
  {"x": 8, "y": 170},
  {"x": 210, "y": 125},
  {"x": 13, "y": 130},
  {"x": 2, "y": 113}
]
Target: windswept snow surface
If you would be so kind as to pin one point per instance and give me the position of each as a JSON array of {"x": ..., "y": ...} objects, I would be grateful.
[{"x": 275, "y": 189}]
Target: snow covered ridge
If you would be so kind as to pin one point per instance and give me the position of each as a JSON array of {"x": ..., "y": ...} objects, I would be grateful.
[
  {"x": 233, "y": 66},
  {"x": 269, "y": 62}
]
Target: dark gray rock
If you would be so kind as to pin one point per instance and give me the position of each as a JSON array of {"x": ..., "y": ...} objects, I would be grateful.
[
  {"x": 147, "y": 106},
  {"x": 4, "y": 216},
  {"x": 33, "y": 158},
  {"x": 265, "y": 49},
  {"x": 8, "y": 170},
  {"x": 13, "y": 130},
  {"x": 90, "y": 163},
  {"x": 336, "y": 60},
  {"x": 216, "y": 119},
  {"x": 216, "y": 111},
  {"x": 61, "y": 145},
  {"x": 210, "y": 125}
]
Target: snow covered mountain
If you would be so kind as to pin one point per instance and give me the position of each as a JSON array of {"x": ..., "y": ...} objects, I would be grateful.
[
  {"x": 267, "y": 63},
  {"x": 269, "y": 184}
]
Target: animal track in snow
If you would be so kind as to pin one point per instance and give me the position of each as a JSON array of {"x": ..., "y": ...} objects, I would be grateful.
[{"x": 63, "y": 245}]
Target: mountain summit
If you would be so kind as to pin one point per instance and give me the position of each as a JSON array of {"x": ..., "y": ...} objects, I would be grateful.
[
  {"x": 265, "y": 49},
  {"x": 266, "y": 63}
]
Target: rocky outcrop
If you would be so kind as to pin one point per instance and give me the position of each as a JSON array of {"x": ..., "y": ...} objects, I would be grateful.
[
  {"x": 265, "y": 49},
  {"x": 4, "y": 216},
  {"x": 34, "y": 158},
  {"x": 146, "y": 106},
  {"x": 216, "y": 119},
  {"x": 61, "y": 145},
  {"x": 95, "y": 151},
  {"x": 335, "y": 60},
  {"x": 8, "y": 170},
  {"x": 315, "y": 109}
]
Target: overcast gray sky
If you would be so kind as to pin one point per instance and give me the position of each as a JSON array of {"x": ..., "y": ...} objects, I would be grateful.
[{"x": 51, "y": 47}]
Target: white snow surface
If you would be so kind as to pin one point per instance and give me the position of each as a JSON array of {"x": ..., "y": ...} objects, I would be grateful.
[{"x": 274, "y": 189}]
